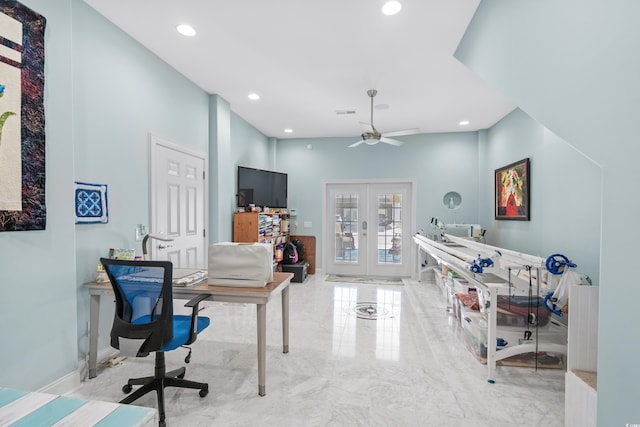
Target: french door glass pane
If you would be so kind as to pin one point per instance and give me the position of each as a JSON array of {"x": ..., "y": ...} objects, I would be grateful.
[
  {"x": 389, "y": 207},
  {"x": 346, "y": 227}
]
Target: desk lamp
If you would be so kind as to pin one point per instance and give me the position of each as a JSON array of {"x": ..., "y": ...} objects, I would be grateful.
[{"x": 156, "y": 236}]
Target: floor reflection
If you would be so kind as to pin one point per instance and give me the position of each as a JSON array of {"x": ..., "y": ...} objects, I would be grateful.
[
  {"x": 344, "y": 323},
  {"x": 388, "y": 328},
  {"x": 348, "y": 312}
]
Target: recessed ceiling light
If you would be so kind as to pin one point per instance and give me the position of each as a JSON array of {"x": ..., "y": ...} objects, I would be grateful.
[
  {"x": 391, "y": 7},
  {"x": 254, "y": 96},
  {"x": 464, "y": 122},
  {"x": 288, "y": 130},
  {"x": 186, "y": 30}
]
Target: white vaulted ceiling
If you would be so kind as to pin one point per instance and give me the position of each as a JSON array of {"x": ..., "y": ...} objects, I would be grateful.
[{"x": 308, "y": 59}]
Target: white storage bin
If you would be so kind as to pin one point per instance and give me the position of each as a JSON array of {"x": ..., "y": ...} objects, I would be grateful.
[{"x": 475, "y": 335}]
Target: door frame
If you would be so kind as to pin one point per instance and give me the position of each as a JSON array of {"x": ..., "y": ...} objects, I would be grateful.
[
  {"x": 156, "y": 141},
  {"x": 325, "y": 219}
]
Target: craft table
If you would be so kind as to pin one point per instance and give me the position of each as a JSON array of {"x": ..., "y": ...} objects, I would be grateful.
[
  {"x": 259, "y": 296},
  {"x": 458, "y": 257}
]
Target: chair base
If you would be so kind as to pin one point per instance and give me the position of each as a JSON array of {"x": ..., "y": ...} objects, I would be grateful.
[{"x": 159, "y": 382}]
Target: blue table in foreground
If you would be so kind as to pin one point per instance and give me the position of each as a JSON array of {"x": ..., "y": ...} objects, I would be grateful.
[
  {"x": 258, "y": 296},
  {"x": 24, "y": 408}
]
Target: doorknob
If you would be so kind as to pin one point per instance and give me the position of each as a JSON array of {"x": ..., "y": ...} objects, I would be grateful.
[{"x": 161, "y": 246}]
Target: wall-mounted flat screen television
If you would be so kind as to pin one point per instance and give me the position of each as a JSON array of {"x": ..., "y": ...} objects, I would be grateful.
[{"x": 261, "y": 188}]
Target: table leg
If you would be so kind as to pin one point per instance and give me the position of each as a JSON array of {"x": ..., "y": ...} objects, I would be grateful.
[
  {"x": 285, "y": 320},
  {"x": 94, "y": 314},
  {"x": 492, "y": 334},
  {"x": 262, "y": 335}
]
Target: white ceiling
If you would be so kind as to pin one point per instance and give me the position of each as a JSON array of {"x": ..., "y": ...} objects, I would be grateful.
[{"x": 309, "y": 58}]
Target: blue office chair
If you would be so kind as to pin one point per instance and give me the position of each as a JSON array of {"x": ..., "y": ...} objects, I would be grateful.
[{"x": 144, "y": 322}]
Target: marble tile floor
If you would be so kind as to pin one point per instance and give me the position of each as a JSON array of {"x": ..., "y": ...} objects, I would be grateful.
[{"x": 409, "y": 367}]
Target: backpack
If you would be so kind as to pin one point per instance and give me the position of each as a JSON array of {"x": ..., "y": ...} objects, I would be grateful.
[
  {"x": 299, "y": 247},
  {"x": 290, "y": 254}
]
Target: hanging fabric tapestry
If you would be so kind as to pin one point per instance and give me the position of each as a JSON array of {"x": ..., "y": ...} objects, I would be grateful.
[
  {"x": 22, "y": 138},
  {"x": 91, "y": 203}
]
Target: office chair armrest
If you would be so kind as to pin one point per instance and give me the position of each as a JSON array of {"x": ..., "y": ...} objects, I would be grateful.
[{"x": 194, "y": 302}]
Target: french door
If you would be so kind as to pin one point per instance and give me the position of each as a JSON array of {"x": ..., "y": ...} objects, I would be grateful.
[{"x": 367, "y": 228}]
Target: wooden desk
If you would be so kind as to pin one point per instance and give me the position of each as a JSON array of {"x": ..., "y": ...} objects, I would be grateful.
[{"x": 258, "y": 296}]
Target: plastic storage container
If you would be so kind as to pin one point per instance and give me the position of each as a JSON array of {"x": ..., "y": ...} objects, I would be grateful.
[{"x": 475, "y": 335}]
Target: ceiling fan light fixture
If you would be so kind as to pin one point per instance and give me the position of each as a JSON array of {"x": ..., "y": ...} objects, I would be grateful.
[
  {"x": 186, "y": 30},
  {"x": 372, "y": 136},
  {"x": 391, "y": 7}
]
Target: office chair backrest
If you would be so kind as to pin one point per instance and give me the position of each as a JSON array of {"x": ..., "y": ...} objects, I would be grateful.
[{"x": 143, "y": 320}]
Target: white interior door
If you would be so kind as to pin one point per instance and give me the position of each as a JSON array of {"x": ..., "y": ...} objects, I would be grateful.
[
  {"x": 368, "y": 228},
  {"x": 178, "y": 204}
]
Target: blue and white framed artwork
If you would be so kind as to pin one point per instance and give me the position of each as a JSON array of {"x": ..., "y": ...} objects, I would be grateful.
[{"x": 91, "y": 203}]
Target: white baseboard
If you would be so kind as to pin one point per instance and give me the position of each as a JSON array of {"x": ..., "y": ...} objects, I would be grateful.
[
  {"x": 63, "y": 385},
  {"x": 71, "y": 381}
]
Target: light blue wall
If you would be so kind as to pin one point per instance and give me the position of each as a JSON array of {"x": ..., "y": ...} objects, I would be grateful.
[
  {"x": 37, "y": 268},
  {"x": 233, "y": 142},
  {"x": 565, "y": 194},
  {"x": 250, "y": 147},
  {"x": 104, "y": 93},
  {"x": 439, "y": 163},
  {"x": 220, "y": 168},
  {"x": 122, "y": 92},
  {"x": 573, "y": 66}
]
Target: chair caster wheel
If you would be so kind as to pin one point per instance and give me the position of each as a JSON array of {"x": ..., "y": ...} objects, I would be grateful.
[
  {"x": 127, "y": 388},
  {"x": 204, "y": 392}
]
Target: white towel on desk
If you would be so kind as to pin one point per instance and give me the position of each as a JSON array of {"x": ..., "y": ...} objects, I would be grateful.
[{"x": 240, "y": 264}]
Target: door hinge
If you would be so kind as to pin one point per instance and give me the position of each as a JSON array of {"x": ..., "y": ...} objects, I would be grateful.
[
  {"x": 204, "y": 233},
  {"x": 203, "y": 178}
]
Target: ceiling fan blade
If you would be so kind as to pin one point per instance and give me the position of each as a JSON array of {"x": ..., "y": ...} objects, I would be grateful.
[
  {"x": 412, "y": 131},
  {"x": 355, "y": 144},
  {"x": 391, "y": 141}
]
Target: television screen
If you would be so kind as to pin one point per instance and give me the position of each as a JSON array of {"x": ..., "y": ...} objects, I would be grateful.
[{"x": 261, "y": 188}]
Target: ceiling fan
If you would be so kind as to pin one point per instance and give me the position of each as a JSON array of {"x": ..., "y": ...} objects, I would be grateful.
[{"x": 371, "y": 136}]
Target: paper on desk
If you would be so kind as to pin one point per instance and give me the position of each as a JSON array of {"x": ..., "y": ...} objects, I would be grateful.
[{"x": 188, "y": 276}]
